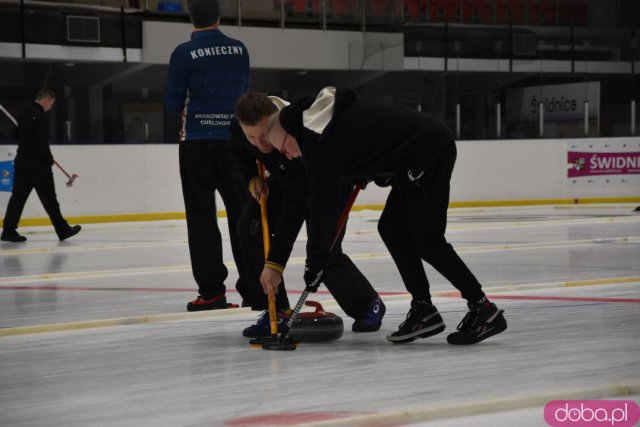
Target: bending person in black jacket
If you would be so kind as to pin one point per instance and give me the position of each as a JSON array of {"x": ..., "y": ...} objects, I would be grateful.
[
  {"x": 286, "y": 191},
  {"x": 342, "y": 135},
  {"x": 33, "y": 164}
]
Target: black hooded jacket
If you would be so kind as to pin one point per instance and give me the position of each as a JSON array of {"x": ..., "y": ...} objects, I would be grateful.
[
  {"x": 33, "y": 135},
  {"x": 364, "y": 138},
  {"x": 290, "y": 175}
]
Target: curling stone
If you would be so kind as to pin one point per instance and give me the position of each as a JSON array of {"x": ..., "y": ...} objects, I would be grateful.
[{"x": 316, "y": 326}]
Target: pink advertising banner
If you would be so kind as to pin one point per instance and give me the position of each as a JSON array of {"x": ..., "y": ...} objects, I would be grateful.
[{"x": 601, "y": 163}]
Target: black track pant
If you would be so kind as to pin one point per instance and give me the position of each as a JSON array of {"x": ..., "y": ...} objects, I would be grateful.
[
  {"x": 347, "y": 284},
  {"x": 206, "y": 166},
  {"x": 350, "y": 288},
  {"x": 33, "y": 174},
  {"x": 412, "y": 226}
]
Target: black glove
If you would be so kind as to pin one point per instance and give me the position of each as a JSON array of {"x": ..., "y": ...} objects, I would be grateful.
[
  {"x": 384, "y": 179},
  {"x": 312, "y": 278},
  {"x": 405, "y": 181},
  {"x": 363, "y": 182}
]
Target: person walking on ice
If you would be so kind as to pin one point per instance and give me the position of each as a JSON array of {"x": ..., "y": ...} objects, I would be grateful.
[{"x": 33, "y": 165}]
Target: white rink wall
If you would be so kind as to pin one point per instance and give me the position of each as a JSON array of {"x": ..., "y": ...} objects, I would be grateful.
[{"x": 144, "y": 179}]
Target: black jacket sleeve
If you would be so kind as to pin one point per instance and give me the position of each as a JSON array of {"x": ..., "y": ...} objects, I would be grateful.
[
  {"x": 324, "y": 166},
  {"x": 243, "y": 155},
  {"x": 290, "y": 176},
  {"x": 293, "y": 211}
]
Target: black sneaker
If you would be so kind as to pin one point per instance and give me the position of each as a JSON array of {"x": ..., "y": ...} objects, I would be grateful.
[
  {"x": 372, "y": 321},
  {"x": 12, "y": 236},
  {"x": 216, "y": 303},
  {"x": 481, "y": 322},
  {"x": 69, "y": 232},
  {"x": 423, "y": 320}
]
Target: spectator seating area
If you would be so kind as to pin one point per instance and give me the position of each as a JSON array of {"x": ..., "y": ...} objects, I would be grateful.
[{"x": 517, "y": 12}]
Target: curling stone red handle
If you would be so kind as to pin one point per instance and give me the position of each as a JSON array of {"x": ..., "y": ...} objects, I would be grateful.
[{"x": 317, "y": 305}]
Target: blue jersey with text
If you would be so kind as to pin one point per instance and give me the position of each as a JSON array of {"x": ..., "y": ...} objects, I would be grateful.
[{"x": 206, "y": 76}]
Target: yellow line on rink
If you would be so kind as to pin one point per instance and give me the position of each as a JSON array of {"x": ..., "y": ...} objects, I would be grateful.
[
  {"x": 603, "y": 281},
  {"x": 137, "y": 320},
  {"x": 121, "y": 321},
  {"x": 563, "y": 284},
  {"x": 300, "y": 260},
  {"x": 98, "y": 273},
  {"x": 466, "y": 409},
  {"x": 98, "y": 247}
]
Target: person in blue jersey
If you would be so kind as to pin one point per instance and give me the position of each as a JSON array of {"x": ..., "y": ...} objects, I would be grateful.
[{"x": 206, "y": 76}]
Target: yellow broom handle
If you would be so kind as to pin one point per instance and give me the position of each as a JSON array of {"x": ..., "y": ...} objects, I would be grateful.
[{"x": 266, "y": 243}]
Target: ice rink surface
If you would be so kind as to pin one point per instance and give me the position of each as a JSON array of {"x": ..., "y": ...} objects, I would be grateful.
[{"x": 94, "y": 331}]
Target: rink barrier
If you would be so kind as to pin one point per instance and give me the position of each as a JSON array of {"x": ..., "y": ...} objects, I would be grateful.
[
  {"x": 138, "y": 320},
  {"x": 161, "y": 216},
  {"x": 133, "y": 179},
  {"x": 467, "y": 409}
]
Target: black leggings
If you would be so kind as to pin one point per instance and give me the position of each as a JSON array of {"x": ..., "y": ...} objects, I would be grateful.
[
  {"x": 350, "y": 288},
  {"x": 250, "y": 232}
]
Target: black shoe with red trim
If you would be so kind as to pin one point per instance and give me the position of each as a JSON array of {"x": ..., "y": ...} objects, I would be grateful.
[
  {"x": 218, "y": 302},
  {"x": 481, "y": 322},
  {"x": 423, "y": 321}
]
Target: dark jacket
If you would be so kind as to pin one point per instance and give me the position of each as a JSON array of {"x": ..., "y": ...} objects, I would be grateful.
[
  {"x": 365, "y": 137},
  {"x": 290, "y": 176},
  {"x": 206, "y": 76},
  {"x": 33, "y": 135}
]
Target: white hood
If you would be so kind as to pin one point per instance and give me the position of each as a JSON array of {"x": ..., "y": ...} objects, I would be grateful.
[{"x": 319, "y": 114}]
